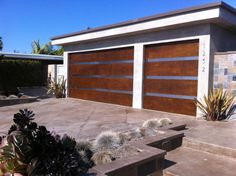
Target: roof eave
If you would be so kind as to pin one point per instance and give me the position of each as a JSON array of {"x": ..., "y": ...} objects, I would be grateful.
[
  {"x": 149, "y": 18},
  {"x": 167, "y": 22},
  {"x": 42, "y": 57}
]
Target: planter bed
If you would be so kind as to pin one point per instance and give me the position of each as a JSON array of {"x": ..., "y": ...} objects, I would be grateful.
[
  {"x": 137, "y": 152},
  {"x": 9, "y": 102},
  {"x": 175, "y": 127},
  {"x": 168, "y": 141},
  {"x": 148, "y": 162}
]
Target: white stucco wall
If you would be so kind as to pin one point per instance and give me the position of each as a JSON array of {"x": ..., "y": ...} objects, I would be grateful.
[
  {"x": 52, "y": 71},
  {"x": 145, "y": 38},
  {"x": 56, "y": 71}
]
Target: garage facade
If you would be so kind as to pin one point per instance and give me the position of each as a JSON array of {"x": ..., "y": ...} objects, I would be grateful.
[
  {"x": 104, "y": 76},
  {"x": 162, "y": 62},
  {"x": 170, "y": 77}
]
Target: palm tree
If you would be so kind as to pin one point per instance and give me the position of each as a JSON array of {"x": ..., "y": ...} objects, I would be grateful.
[
  {"x": 38, "y": 49},
  {"x": 58, "y": 51},
  {"x": 45, "y": 49},
  {"x": 1, "y": 44}
]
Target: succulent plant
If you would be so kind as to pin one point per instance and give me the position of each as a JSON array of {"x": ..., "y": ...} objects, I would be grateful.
[
  {"x": 21, "y": 119},
  {"x": 85, "y": 149},
  {"x": 164, "y": 122},
  {"x": 2, "y": 140},
  {"x": 33, "y": 150},
  {"x": 103, "y": 157},
  {"x": 217, "y": 105},
  {"x": 151, "y": 123},
  {"x": 107, "y": 140}
]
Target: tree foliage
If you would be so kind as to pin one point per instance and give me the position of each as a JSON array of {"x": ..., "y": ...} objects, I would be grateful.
[
  {"x": 1, "y": 44},
  {"x": 37, "y": 48}
]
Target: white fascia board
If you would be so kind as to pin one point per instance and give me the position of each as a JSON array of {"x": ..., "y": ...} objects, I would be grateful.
[{"x": 149, "y": 25}]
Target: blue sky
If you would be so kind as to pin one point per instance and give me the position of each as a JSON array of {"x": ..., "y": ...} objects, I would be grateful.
[{"x": 22, "y": 21}]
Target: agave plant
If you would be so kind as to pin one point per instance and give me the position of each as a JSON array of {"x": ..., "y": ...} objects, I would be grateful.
[
  {"x": 58, "y": 88},
  {"x": 218, "y": 105}
]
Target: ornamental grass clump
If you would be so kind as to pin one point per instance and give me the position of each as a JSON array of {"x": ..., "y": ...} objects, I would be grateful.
[
  {"x": 31, "y": 149},
  {"x": 58, "y": 88},
  {"x": 218, "y": 105}
]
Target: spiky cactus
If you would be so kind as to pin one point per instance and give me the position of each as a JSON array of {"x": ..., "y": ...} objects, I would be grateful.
[
  {"x": 103, "y": 157},
  {"x": 151, "y": 123},
  {"x": 125, "y": 137},
  {"x": 107, "y": 140},
  {"x": 148, "y": 132},
  {"x": 164, "y": 122},
  {"x": 135, "y": 133}
]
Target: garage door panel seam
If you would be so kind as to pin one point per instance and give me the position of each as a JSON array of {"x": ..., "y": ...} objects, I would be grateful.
[{"x": 150, "y": 60}]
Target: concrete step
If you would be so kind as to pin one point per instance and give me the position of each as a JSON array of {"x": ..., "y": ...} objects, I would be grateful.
[
  {"x": 185, "y": 162},
  {"x": 209, "y": 147}
]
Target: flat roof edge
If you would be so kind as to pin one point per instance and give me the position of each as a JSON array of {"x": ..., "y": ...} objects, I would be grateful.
[
  {"x": 31, "y": 56},
  {"x": 149, "y": 18}
]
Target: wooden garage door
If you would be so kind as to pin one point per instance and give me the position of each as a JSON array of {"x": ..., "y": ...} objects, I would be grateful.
[
  {"x": 104, "y": 76},
  {"x": 170, "y": 77}
]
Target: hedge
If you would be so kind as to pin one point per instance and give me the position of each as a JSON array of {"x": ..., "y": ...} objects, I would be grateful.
[{"x": 21, "y": 73}]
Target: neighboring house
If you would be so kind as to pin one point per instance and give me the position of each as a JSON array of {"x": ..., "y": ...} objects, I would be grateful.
[
  {"x": 161, "y": 62},
  {"x": 56, "y": 71},
  {"x": 48, "y": 69},
  {"x": 51, "y": 61}
]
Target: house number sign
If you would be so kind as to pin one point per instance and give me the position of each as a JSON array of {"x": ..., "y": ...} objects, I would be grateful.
[{"x": 203, "y": 58}]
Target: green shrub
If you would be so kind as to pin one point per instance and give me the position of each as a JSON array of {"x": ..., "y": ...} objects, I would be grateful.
[
  {"x": 21, "y": 73},
  {"x": 218, "y": 105}
]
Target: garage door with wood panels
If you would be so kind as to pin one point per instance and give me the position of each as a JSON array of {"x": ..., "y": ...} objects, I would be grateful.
[
  {"x": 170, "y": 77},
  {"x": 104, "y": 76}
]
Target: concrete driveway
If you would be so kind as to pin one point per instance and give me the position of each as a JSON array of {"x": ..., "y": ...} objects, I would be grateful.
[
  {"x": 206, "y": 143},
  {"x": 83, "y": 119}
]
